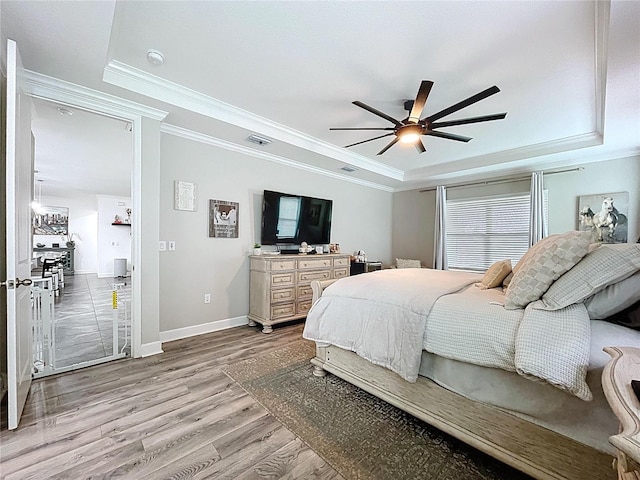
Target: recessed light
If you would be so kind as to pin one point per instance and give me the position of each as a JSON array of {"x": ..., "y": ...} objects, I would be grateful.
[
  {"x": 349, "y": 168},
  {"x": 155, "y": 57},
  {"x": 65, "y": 111}
]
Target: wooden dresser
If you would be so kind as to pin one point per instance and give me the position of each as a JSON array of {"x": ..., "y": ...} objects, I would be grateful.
[
  {"x": 623, "y": 367},
  {"x": 280, "y": 288}
]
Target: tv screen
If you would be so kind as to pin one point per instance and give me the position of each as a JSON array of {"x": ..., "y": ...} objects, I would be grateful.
[{"x": 292, "y": 219}]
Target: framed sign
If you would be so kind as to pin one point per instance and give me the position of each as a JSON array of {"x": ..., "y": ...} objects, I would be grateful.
[
  {"x": 185, "y": 196},
  {"x": 223, "y": 219}
]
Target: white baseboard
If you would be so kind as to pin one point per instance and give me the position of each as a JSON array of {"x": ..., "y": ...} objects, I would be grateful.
[
  {"x": 148, "y": 349},
  {"x": 85, "y": 272},
  {"x": 110, "y": 275},
  {"x": 178, "y": 333}
]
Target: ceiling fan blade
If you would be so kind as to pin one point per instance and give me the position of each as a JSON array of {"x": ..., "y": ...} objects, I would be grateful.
[
  {"x": 421, "y": 99},
  {"x": 463, "y": 121},
  {"x": 377, "y": 112},
  {"x": 365, "y": 141},
  {"x": 464, "y": 103},
  {"x": 449, "y": 136},
  {"x": 420, "y": 146},
  {"x": 368, "y": 128},
  {"x": 391, "y": 144}
]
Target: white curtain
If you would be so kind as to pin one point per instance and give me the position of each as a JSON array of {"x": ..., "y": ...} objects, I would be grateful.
[
  {"x": 439, "y": 244},
  {"x": 537, "y": 225}
]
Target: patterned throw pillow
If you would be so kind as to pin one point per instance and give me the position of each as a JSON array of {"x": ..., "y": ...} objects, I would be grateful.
[
  {"x": 495, "y": 274},
  {"x": 604, "y": 266},
  {"x": 542, "y": 264},
  {"x": 405, "y": 263}
]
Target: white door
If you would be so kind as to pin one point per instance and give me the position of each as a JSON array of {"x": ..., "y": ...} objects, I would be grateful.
[{"x": 19, "y": 186}]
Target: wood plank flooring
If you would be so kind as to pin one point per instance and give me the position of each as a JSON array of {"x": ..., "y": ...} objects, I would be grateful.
[{"x": 170, "y": 416}]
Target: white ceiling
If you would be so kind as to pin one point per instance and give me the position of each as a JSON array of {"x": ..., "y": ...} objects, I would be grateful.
[{"x": 290, "y": 70}]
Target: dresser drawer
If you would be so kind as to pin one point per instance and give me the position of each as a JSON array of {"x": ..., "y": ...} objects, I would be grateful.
[
  {"x": 283, "y": 310},
  {"x": 308, "y": 277},
  {"x": 283, "y": 294},
  {"x": 341, "y": 262},
  {"x": 278, "y": 279},
  {"x": 340, "y": 272},
  {"x": 314, "y": 263},
  {"x": 305, "y": 291},
  {"x": 279, "y": 265},
  {"x": 303, "y": 307}
]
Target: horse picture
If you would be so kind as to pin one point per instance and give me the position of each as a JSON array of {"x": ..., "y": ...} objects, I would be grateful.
[{"x": 606, "y": 215}]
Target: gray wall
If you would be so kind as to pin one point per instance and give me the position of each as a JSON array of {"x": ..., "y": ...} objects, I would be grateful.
[
  {"x": 219, "y": 266},
  {"x": 414, "y": 212}
]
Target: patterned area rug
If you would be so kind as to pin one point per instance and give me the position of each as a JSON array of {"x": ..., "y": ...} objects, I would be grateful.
[{"x": 359, "y": 435}]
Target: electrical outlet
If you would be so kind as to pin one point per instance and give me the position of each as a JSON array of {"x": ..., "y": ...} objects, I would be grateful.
[
  {"x": 207, "y": 298},
  {"x": 172, "y": 246},
  {"x": 162, "y": 245}
]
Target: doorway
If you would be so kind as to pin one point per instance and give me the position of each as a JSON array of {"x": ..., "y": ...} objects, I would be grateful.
[{"x": 83, "y": 166}]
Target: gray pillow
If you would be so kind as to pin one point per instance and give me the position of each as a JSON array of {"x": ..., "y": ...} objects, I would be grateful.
[
  {"x": 604, "y": 266},
  {"x": 542, "y": 264},
  {"x": 614, "y": 298}
]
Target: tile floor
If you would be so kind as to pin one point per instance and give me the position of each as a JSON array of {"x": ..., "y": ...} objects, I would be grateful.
[{"x": 83, "y": 320}]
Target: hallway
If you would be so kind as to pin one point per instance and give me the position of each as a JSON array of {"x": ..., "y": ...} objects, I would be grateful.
[{"x": 83, "y": 320}]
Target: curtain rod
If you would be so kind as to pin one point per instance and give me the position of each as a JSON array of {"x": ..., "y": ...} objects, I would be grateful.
[{"x": 502, "y": 180}]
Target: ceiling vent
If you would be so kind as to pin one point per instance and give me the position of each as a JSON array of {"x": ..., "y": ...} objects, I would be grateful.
[
  {"x": 259, "y": 140},
  {"x": 349, "y": 168}
]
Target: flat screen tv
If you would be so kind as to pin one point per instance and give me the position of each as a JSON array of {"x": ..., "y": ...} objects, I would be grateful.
[{"x": 292, "y": 219}]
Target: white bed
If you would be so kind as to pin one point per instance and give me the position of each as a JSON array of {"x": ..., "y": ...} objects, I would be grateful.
[{"x": 485, "y": 356}]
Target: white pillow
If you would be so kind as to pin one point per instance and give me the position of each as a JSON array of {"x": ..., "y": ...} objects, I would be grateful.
[
  {"x": 604, "y": 266},
  {"x": 407, "y": 263},
  {"x": 542, "y": 264}
]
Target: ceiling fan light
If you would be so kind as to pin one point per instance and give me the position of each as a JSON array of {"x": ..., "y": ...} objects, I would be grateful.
[{"x": 409, "y": 138}]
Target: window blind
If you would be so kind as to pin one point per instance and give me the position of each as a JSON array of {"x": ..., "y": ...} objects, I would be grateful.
[{"x": 481, "y": 231}]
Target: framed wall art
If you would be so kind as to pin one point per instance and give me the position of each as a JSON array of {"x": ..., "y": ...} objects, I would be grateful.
[
  {"x": 51, "y": 221},
  {"x": 606, "y": 214},
  {"x": 223, "y": 219},
  {"x": 185, "y": 196}
]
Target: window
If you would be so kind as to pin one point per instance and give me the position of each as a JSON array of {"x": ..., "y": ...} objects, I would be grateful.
[
  {"x": 288, "y": 216},
  {"x": 481, "y": 231}
]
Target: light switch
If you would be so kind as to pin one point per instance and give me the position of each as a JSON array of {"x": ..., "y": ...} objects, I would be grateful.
[
  {"x": 162, "y": 245},
  {"x": 172, "y": 246}
]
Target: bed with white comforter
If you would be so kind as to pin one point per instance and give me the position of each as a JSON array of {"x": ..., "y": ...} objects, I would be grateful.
[{"x": 540, "y": 358}]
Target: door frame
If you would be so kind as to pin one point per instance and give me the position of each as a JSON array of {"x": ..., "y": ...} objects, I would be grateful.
[{"x": 76, "y": 96}]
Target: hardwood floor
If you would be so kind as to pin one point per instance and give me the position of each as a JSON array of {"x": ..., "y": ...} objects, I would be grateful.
[{"x": 170, "y": 416}]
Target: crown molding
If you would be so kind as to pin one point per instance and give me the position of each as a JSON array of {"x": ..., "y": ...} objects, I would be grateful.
[
  {"x": 508, "y": 156},
  {"x": 234, "y": 147},
  {"x": 139, "y": 81},
  {"x": 49, "y": 88}
]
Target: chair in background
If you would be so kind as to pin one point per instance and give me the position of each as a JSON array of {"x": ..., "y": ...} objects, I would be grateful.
[{"x": 50, "y": 269}]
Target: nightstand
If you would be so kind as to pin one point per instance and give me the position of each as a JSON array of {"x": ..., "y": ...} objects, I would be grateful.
[
  {"x": 623, "y": 367},
  {"x": 364, "y": 267}
]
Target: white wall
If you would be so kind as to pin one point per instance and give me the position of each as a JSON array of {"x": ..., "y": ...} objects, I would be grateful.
[
  {"x": 361, "y": 220},
  {"x": 114, "y": 241},
  {"x": 83, "y": 223},
  {"x": 414, "y": 212}
]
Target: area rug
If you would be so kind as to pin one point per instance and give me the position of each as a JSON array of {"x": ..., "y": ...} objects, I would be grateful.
[{"x": 359, "y": 435}]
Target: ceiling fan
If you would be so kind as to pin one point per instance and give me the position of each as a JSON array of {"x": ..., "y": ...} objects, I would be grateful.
[{"x": 411, "y": 128}]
